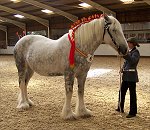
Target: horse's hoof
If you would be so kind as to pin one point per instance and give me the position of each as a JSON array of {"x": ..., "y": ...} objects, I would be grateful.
[
  {"x": 84, "y": 114},
  {"x": 70, "y": 116},
  {"x": 30, "y": 103},
  {"x": 23, "y": 106}
]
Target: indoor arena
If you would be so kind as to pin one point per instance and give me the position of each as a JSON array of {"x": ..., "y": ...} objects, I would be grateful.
[{"x": 74, "y": 65}]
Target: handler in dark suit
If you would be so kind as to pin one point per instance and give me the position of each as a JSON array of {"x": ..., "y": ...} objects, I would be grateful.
[{"x": 129, "y": 78}]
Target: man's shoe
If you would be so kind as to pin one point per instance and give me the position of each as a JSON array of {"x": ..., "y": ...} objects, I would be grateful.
[
  {"x": 130, "y": 116},
  {"x": 118, "y": 110}
]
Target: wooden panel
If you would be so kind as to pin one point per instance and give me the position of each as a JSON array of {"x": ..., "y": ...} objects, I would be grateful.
[
  {"x": 134, "y": 16},
  {"x": 12, "y": 30},
  {"x": 12, "y": 37},
  {"x": 35, "y": 26},
  {"x": 60, "y": 23},
  {"x": 3, "y": 44}
]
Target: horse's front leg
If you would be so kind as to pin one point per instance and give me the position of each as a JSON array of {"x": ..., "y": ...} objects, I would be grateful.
[
  {"x": 67, "y": 113},
  {"x": 81, "y": 110}
]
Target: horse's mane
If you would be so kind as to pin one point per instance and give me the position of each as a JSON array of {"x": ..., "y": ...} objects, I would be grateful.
[
  {"x": 91, "y": 29},
  {"x": 87, "y": 29}
]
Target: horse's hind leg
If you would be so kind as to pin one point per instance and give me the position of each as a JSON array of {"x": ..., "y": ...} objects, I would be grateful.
[
  {"x": 24, "y": 73},
  {"x": 29, "y": 74},
  {"x": 81, "y": 110}
]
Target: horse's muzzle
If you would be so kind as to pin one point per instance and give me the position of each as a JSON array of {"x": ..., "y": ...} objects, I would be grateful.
[{"x": 122, "y": 50}]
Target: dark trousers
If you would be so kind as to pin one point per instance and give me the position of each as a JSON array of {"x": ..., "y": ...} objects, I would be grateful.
[{"x": 133, "y": 100}]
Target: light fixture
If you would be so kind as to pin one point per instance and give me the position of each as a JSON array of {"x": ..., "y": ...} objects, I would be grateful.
[
  {"x": 127, "y": 1},
  {"x": 15, "y": 1},
  {"x": 19, "y": 16},
  {"x": 1, "y": 20},
  {"x": 85, "y": 5},
  {"x": 47, "y": 11}
]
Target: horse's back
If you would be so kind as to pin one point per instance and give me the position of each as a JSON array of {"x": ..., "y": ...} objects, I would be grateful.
[
  {"x": 28, "y": 40},
  {"x": 38, "y": 52},
  {"x": 38, "y": 41}
]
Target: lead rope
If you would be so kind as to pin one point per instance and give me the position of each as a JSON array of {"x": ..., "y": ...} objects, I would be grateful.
[{"x": 120, "y": 81}]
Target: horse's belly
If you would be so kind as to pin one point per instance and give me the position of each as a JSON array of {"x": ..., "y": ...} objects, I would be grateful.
[
  {"x": 48, "y": 69},
  {"x": 47, "y": 65}
]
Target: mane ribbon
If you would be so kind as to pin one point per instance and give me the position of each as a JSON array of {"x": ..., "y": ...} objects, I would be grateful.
[{"x": 71, "y": 38}]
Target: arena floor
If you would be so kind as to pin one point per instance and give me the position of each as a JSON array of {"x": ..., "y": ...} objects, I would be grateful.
[{"x": 101, "y": 96}]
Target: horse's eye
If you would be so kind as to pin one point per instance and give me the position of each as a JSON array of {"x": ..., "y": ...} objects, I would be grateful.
[{"x": 114, "y": 30}]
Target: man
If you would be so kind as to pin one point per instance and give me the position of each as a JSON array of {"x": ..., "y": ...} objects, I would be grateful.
[{"x": 129, "y": 78}]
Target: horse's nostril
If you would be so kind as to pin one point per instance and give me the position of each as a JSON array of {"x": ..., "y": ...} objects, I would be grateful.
[
  {"x": 122, "y": 50},
  {"x": 125, "y": 51}
]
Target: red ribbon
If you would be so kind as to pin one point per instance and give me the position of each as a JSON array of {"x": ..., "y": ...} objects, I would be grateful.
[
  {"x": 72, "y": 52},
  {"x": 72, "y": 40}
]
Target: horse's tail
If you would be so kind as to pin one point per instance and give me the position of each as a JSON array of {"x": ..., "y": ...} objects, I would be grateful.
[
  {"x": 19, "y": 58},
  {"x": 19, "y": 52},
  {"x": 22, "y": 45},
  {"x": 18, "y": 49}
]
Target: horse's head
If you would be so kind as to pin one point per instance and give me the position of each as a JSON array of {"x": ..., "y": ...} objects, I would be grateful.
[{"x": 114, "y": 36}]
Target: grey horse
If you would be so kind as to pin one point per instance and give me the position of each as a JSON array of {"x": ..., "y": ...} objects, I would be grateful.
[{"x": 47, "y": 57}]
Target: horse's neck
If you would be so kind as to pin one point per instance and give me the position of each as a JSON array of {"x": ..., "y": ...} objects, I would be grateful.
[{"x": 90, "y": 36}]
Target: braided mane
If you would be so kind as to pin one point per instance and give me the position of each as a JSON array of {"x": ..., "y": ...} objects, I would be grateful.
[
  {"x": 84, "y": 20},
  {"x": 85, "y": 28}
]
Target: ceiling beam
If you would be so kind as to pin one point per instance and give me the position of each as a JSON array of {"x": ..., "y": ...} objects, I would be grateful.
[
  {"x": 19, "y": 24},
  {"x": 3, "y": 28},
  {"x": 38, "y": 19},
  {"x": 147, "y": 1},
  {"x": 55, "y": 10},
  {"x": 99, "y": 7}
]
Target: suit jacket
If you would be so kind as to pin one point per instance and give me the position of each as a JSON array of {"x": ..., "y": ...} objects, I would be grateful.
[{"x": 130, "y": 66}]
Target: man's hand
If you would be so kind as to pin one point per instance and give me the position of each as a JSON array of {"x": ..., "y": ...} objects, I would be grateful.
[{"x": 121, "y": 70}]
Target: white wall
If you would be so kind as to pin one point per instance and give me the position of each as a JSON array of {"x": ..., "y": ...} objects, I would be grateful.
[
  {"x": 103, "y": 49},
  {"x": 9, "y": 50}
]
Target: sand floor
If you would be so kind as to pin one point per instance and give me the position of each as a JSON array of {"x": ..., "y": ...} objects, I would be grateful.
[{"x": 101, "y": 96}]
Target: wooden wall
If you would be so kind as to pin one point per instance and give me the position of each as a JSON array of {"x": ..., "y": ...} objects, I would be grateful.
[
  {"x": 60, "y": 25},
  {"x": 134, "y": 16},
  {"x": 12, "y": 37},
  {"x": 3, "y": 40},
  {"x": 57, "y": 29}
]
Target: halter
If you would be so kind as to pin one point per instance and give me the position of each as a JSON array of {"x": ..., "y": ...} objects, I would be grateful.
[{"x": 106, "y": 28}]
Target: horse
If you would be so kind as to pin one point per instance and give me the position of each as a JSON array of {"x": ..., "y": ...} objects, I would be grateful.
[{"x": 47, "y": 57}]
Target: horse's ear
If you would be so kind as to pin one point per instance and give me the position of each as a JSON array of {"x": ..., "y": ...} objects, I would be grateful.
[{"x": 108, "y": 21}]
